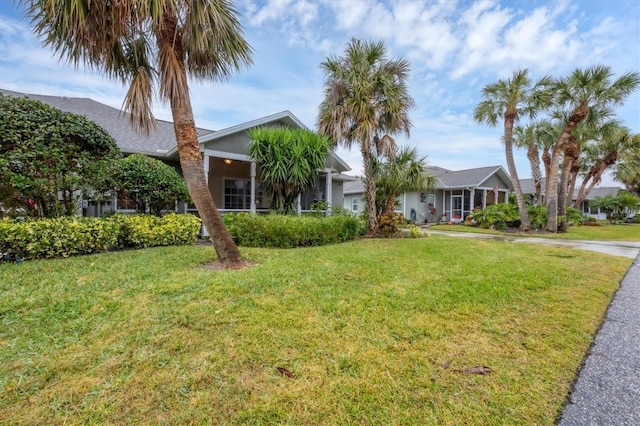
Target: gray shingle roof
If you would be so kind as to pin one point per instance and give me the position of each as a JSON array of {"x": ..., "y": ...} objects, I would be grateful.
[
  {"x": 466, "y": 178},
  {"x": 529, "y": 188},
  {"x": 117, "y": 123}
]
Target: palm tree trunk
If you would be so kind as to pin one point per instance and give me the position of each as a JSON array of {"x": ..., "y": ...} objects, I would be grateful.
[
  {"x": 571, "y": 153},
  {"x": 596, "y": 173},
  {"x": 546, "y": 160},
  {"x": 525, "y": 225},
  {"x": 390, "y": 208},
  {"x": 191, "y": 161},
  {"x": 370, "y": 189},
  {"x": 534, "y": 161},
  {"x": 579, "y": 114}
]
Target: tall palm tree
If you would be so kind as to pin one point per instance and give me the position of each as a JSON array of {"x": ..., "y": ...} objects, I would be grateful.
[
  {"x": 525, "y": 137},
  {"x": 366, "y": 102},
  {"x": 512, "y": 99},
  {"x": 577, "y": 94},
  {"x": 404, "y": 172},
  {"x": 138, "y": 40}
]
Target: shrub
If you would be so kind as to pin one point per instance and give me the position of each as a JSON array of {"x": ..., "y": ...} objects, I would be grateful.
[
  {"x": 291, "y": 231},
  {"x": 388, "y": 226},
  {"x": 537, "y": 216},
  {"x": 59, "y": 237},
  {"x": 140, "y": 231},
  {"x": 498, "y": 216},
  {"x": 574, "y": 216},
  {"x": 636, "y": 219}
]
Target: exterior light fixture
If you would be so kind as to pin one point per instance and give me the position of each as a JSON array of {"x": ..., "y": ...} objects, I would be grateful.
[{"x": 227, "y": 161}]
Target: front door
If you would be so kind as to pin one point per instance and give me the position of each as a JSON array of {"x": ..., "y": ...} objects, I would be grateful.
[{"x": 457, "y": 207}]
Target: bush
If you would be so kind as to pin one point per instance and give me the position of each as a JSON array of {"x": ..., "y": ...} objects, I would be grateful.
[
  {"x": 69, "y": 236},
  {"x": 291, "y": 231},
  {"x": 537, "y": 216},
  {"x": 59, "y": 237},
  {"x": 498, "y": 216},
  {"x": 388, "y": 226},
  {"x": 139, "y": 231},
  {"x": 636, "y": 219}
]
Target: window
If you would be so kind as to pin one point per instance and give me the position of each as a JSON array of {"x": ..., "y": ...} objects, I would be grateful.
[
  {"x": 354, "y": 204},
  {"x": 237, "y": 194},
  {"x": 398, "y": 208}
]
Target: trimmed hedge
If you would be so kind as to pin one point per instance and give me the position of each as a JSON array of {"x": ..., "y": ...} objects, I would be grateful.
[
  {"x": 139, "y": 231},
  {"x": 59, "y": 237},
  {"x": 279, "y": 231},
  {"x": 70, "y": 236}
]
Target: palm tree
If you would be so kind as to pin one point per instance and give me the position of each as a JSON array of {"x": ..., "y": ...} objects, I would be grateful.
[
  {"x": 577, "y": 94},
  {"x": 525, "y": 137},
  {"x": 288, "y": 161},
  {"x": 366, "y": 101},
  {"x": 511, "y": 99},
  {"x": 603, "y": 155},
  {"x": 404, "y": 172},
  {"x": 137, "y": 41},
  {"x": 628, "y": 170}
]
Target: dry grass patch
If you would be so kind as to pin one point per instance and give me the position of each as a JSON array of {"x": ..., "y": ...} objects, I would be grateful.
[{"x": 369, "y": 332}]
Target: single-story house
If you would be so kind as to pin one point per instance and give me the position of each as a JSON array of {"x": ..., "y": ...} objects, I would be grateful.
[
  {"x": 230, "y": 172},
  {"x": 456, "y": 194},
  {"x": 528, "y": 188}
]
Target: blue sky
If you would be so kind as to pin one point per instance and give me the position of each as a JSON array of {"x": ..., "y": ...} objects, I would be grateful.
[{"x": 455, "y": 48}]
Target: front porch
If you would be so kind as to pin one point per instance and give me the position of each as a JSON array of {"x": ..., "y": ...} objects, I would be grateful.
[{"x": 459, "y": 203}]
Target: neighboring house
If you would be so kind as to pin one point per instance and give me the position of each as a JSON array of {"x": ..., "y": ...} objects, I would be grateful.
[
  {"x": 230, "y": 173},
  {"x": 456, "y": 195},
  {"x": 528, "y": 188}
]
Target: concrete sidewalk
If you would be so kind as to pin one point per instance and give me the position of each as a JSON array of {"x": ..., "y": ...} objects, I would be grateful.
[
  {"x": 607, "y": 391},
  {"x": 616, "y": 248}
]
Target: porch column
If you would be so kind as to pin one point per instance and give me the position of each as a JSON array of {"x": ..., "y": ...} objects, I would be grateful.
[
  {"x": 205, "y": 161},
  {"x": 444, "y": 203},
  {"x": 253, "y": 187},
  {"x": 329, "y": 191},
  {"x": 299, "y": 207},
  {"x": 484, "y": 199},
  {"x": 472, "y": 201}
]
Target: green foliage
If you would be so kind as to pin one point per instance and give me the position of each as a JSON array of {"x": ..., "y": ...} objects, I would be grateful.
[
  {"x": 69, "y": 236},
  {"x": 155, "y": 183},
  {"x": 291, "y": 231},
  {"x": 141, "y": 231},
  {"x": 618, "y": 207},
  {"x": 403, "y": 172},
  {"x": 388, "y": 225},
  {"x": 57, "y": 237},
  {"x": 537, "y": 215},
  {"x": 288, "y": 162},
  {"x": 574, "y": 217},
  {"x": 46, "y": 152},
  {"x": 498, "y": 216}
]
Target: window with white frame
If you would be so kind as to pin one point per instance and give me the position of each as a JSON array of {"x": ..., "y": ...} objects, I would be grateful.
[
  {"x": 354, "y": 204},
  {"x": 237, "y": 194},
  {"x": 399, "y": 207}
]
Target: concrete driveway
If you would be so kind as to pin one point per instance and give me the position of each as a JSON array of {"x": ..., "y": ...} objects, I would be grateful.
[{"x": 615, "y": 248}]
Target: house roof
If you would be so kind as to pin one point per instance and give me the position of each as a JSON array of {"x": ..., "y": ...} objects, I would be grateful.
[
  {"x": 353, "y": 187},
  {"x": 449, "y": 179},
  {"x": 528, "y": 187},
  {"x": 468, "y": 178},
  {"x": 283, "y": 118},
  {"x": 158, "y": 143}
]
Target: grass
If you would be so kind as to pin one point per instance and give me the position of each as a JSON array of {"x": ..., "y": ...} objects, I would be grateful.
[
  {"x": 604, "y": 232},
  {"x": 372, "y": 332}
]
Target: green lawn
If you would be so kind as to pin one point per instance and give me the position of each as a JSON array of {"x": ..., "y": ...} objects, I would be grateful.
[
  {"x": 368, "y": 332},
  {"x": 604, "y": 232}
]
